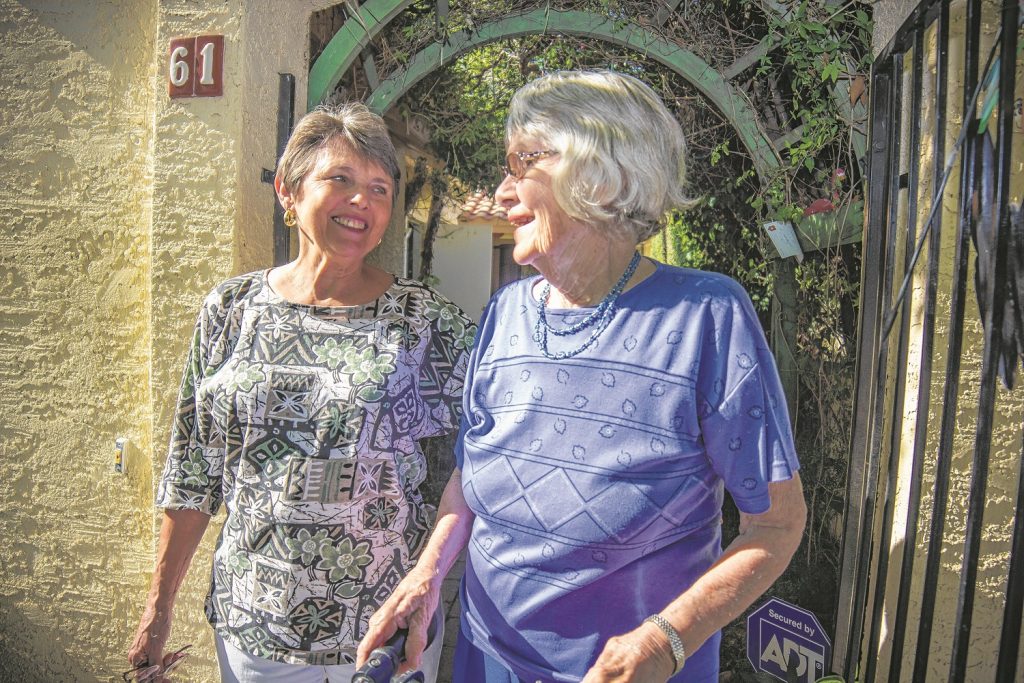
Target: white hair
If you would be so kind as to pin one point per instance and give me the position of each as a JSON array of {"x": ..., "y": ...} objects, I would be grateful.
[{"x": 623, "y": 154}]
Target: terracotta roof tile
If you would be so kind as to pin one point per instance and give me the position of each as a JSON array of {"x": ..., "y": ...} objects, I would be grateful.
[{"x": 480, "y": 205}]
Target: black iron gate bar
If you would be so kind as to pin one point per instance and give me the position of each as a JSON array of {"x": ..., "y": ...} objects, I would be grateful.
[
  {"x": 993, "y": 325},
  {"x": 944, "y": 459},
  {"x": 873, "y": 354},
  {"x": 862, "y": 476},
  {"x": 285, "y": 122},
  {"x": 940, "y": 173},
  {"x": 932, "y": 230},
  {"x": 895, "y": 429},
  {"x": 880, "y": 250}
]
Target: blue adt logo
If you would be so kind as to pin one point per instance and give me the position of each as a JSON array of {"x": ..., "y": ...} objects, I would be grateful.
[{"x": 781, "y": 636}]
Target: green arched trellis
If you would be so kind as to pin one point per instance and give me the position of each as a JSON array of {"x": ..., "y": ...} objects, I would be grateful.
[
  {"x": 346, "y": 46},
  {"x": 371, "y": 17}
]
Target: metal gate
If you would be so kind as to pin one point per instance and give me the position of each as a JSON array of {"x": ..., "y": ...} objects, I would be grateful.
[{"x": 931, "y": 580}]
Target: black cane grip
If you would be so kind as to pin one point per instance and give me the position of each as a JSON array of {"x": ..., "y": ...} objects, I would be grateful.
[{"x": 383, "y": 661}]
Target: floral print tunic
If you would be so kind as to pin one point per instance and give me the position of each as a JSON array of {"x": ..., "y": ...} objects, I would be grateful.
[{"x": 304, "y": 421}]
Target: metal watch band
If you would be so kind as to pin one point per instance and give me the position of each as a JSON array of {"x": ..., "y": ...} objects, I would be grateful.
[{"x": 678, "y": 651}]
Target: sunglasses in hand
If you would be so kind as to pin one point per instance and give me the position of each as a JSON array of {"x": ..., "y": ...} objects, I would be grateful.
[{"x": 148, "y": 672}]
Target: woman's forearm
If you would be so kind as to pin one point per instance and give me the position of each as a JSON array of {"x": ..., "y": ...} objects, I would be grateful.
[
  {"x": 180, "y": 534},
  {"x": 746, "y": 569},
  {"x": 415, "y": 599},
  {"x": 451, "y": 531}
]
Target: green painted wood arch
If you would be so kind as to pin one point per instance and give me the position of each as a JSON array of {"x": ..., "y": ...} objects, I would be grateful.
[
  {"x": 352, "y": 38},
  {"x": 342, "y": 51}
]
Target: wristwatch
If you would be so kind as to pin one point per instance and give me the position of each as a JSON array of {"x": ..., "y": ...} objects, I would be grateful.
[{"x": 678, "y": 651}]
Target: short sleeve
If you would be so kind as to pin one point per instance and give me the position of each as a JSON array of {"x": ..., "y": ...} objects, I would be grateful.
[
  {"x": 483, "y": 335},
  {"x": 741, "y": 406},
  {"x": 193, "y": 471},
  {"x": 442, "y": 373}
]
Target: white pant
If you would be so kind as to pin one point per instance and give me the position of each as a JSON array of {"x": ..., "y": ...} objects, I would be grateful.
[{"x": 237, "y": 666}]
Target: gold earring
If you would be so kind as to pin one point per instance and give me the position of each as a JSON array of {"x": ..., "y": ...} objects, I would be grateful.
[{"x": 290, "y": 219}]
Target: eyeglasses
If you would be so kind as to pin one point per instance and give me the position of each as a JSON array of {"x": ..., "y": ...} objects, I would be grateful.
[
  {"x": 517, "y": 163},
  {"x": 148, "y": 672}
]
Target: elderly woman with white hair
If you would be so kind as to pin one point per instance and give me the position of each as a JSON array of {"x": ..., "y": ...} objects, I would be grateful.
[{"x": 609, "y": 403}]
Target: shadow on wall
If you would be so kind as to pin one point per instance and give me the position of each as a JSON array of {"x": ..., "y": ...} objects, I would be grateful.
[
  {"x": 105, "y": 32},
  {"x": 21, "y": 660}
]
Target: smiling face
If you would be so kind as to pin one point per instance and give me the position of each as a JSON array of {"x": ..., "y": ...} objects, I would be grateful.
[
  {"x": 343, "y": 205},
  {"x": 546, "y": 237}
]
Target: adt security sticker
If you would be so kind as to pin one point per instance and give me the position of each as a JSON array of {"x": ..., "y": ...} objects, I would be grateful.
[{"x": 781, "y": 635}]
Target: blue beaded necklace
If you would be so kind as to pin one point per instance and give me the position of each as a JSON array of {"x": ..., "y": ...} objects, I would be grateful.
[{"x": 598, "y": 319}]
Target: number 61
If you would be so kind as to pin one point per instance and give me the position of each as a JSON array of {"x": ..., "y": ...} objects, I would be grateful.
[{"x": 189, "y": 57}]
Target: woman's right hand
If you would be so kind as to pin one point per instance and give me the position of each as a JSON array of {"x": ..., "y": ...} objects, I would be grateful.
[
  {"x": 416, "y": 597},
  {"x": 150, "y": 638},
  {"x": 411, "y": 606}
]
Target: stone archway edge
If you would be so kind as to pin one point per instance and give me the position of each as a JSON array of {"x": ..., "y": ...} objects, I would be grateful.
[{"x": 345, "y": 47}]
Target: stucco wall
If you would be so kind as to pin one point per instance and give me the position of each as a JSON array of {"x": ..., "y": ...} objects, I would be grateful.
[
  {"x": 75, "y": 146},
  {"x": 1004, "y": 461},
  {"x": 195, "y": 169},
  {"x": 123, "y": 207},
  {"x": 887, "y": 16}
]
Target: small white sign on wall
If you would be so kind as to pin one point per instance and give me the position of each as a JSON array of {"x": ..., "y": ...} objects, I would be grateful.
[{"x": 784, "y": 239}]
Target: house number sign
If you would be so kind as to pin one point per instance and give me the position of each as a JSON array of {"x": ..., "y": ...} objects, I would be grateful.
[{"x": 195, "y": 67}]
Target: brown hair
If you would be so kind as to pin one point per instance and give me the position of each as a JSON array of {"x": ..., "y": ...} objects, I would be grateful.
[{"x": 364, "y": 131}]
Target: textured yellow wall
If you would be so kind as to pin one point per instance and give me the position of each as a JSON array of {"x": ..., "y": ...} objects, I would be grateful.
[
  {"x": 195, "y": 169},
  {"x": 212, "y": 215},
  {"x": 123, "y": 207},
  {"x": 1004, "y": 462},
  {"x": 75, "y": 147}
]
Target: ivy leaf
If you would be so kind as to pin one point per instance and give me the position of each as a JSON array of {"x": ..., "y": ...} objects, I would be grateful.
[{"x": 830, "y": 72}]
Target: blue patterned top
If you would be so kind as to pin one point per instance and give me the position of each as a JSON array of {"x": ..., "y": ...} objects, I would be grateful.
[
  {"x": 597, "y": 481},
  {"x": 304, "y": 421}
]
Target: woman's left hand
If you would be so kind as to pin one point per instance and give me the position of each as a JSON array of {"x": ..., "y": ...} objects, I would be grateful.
[{"x": 643, "y": 655}]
